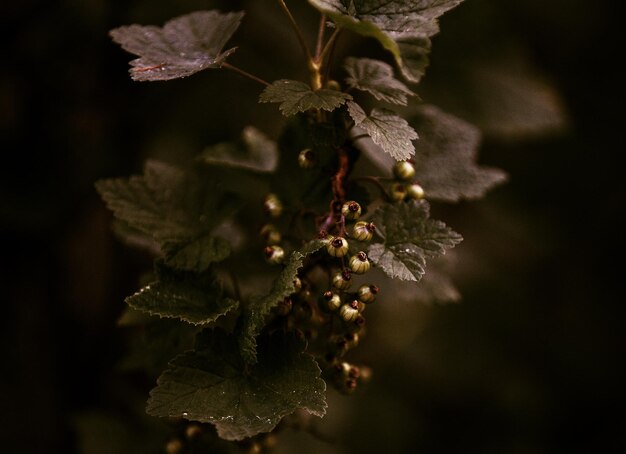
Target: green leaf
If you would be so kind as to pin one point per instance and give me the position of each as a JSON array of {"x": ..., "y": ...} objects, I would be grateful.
[
  {"x": 376, "y": 77},
  {"x": 188, "y": 296},
  {"x": 213, "y": 385},
  {"x": 403, "y": 27},
  {"x": 184, "y": 46},
  {"x": 254, "y": 152},
  {"x": 410, "y": 238},
  {"x": 260, "y": 307},
  {"x": 446, "y": 158},
  {"x": 296, "y": 96},
  {"x": 177, "y": 209},
  {"x": 389, "y": 131}
]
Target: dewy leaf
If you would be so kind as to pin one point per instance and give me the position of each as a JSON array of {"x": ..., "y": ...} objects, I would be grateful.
[
  {"x": 376, "y": 77},
  {"x": 296, "y": 96},
  {"x": 178, "y": 209},
  {"x": 410, "y": 238},
  {"x": 255, "y": 152},
  {"x": 389, "y": 131},
  {"x": 184, "y": 46},
  {"x": 212, "y": 384},
  {"x": 446, "y": 158},
  {"x": 283, "y": 286},
  {"x": 190, "y": 297},
  {"x": 403, "y": 27}
]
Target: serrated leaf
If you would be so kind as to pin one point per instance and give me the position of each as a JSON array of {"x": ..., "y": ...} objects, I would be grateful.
[
  {"x": 260, "y": 307},
  {"x": 296, "y": 96},
  {"x": 376, "y": 77},
  {"x": 182, "y": 47},
  {"x": 389, "y": 131},
  {"x": 446, "y": 158},
  {"x": 212, "y": 384},
  {"x": 255, "y": 152},
  {"x": 188, "y": 296},
  {"x": 403, "y": 27},
  {"x": 411, "y": 237},
  {"x": 178, "y": 209}
]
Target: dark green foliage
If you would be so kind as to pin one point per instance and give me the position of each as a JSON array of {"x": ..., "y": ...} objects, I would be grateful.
[{"x": 295, "y": 97}]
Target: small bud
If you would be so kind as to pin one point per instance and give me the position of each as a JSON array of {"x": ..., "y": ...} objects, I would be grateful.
[
  {"x": 297, "y": 284},
  {"x": 333, "y": 85},
  {"x": 270, "y": 234},
  {"x": 274, "y": 255},
  {"x": 404, "y": 170},
  {"x": 415, "y": 191},
  {"x": 193, "y": 431},
  {"x": 272, "y": 205},
  {"x": 174, "y": 446},
  {"x": 351, "y": 210},
  {"x": 338, "y": 247},
  {"x": 342, "y": 280},
  {"x": 307, "y": 159},
  {"x": 349, "y": 312},
  {"x": 332, "y": 301},
  {"x": 363, "y": 231},
  {"x": 284, "y": 307},
  {"x": 367, "y": 293},
  {"x": 359, "y": 263}
]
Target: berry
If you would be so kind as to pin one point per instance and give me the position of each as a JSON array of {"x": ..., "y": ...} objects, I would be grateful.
[
  {"x": 397, "y": 192},
  {"x": 351, "y": 210},
  {"x": 349, "y": 312},
  {"x": 270, "y": 234},
  {"x": 332, "y": 301},
  {"x": 367, "y": 293},
  {"x": 415, "y": 191},
  {"x": 363, "y": 231},
  {"x": 342, "y": 280},
  {"x": 338, "y": 247},
  {"x": 297, "y": 284},
  {"x": 193, "y": 431},
  {"x": 307, "y": 159},
  {"x": 274, "y": 255},
  {"x": 333, "y": 85},
  {"x": 284, "y": 307},
  {"x": 273, "y": 206},
  {"x": 174, "y": 446},
  {"x": 404, "y": 170},
  {"x": 359, "y": 263}
]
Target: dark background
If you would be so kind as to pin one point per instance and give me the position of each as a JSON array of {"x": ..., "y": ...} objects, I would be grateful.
[{"x": 531, "y": 361}]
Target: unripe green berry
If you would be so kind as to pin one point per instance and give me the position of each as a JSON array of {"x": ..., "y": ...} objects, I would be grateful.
[
  {"x": 353, "y": 341},
  {"x": 367, "y": 293},
  {"x": 174, "y": 446},
  {"x": 349, "y": 312},
  {"x": 338, "y": 247},
  {"x": 332, "y": 301},
  {"x": 270, "y": 234},
  {"x": 193, "y": 431},
  {"x": 415, "y": 191},
  {"x": 404, "y": 170},
  {"x": 333, "y": 85},
  {"x": 274, "y": 255},
  {"x": 359, "y": 263},
  {"x": 342, "y": 280},
  {"x": 351, "y": 210},
  {"x": 397, "y": 192},
  {"x": 307, "y": 159},
  {"x": 363, "y": 231},
  {"x": 273, "y": 206}
]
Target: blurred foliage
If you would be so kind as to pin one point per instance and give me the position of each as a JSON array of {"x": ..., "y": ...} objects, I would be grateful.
[{"x": 528, "y": 362}]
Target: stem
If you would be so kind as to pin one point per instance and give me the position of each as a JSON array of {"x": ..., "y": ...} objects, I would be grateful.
[
  {"x": 360, "y": 136},
  {"x": 320, "y": 37},
  {"x": 245, "y": 74},
  {"x": 329, "y": 45},
  {"x": 296, "y": 29},
  {"x": 339, "y": 178}
]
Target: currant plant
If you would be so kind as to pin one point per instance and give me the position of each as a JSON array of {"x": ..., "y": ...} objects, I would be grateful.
[{"x": 264, "y": 249}]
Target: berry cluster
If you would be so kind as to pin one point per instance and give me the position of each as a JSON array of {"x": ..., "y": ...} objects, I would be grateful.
[{"x": 404, "y": 187}]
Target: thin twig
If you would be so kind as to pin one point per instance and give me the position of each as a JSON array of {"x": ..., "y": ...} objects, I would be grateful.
[
  {"x": 320, "y": 37},
  {"x": 297, "y": 30},
  {"x": 245, "y": 74},
  {"x": 329, "y": 45}
]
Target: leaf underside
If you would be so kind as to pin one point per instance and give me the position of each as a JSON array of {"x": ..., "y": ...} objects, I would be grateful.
[
  {"x": 182, "y": 47},
  {"x": 411, "y": 238},
  {"x": 295, "y": 96},
  {"x": 213, "y": 385}
]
